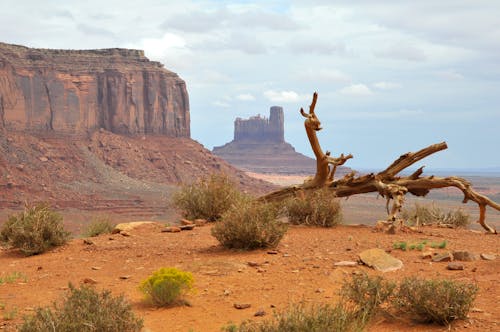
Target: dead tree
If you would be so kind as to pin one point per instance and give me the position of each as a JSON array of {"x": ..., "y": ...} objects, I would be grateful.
[{"x": 387, "y": 182}]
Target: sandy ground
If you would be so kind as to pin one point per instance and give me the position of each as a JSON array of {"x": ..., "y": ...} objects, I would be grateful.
[{"x": 302, "y": 269}]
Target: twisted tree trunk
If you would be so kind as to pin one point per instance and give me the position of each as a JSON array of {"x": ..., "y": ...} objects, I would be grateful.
[{"x": 386, "y": 183}]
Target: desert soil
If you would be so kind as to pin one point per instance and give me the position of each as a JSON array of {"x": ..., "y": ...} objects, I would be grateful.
[{"x": 300, "y": 270}]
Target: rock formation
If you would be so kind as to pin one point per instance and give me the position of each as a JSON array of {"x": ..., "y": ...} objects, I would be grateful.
[
  {"x": 78, "y": 91},
  {"x": 259, "y": 146}
]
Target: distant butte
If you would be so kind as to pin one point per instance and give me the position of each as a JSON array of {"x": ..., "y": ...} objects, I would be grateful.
[{"x": 259, "y": 146}]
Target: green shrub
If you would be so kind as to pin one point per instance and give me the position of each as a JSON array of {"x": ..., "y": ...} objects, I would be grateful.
[
  {"x": 208, "y": 198},
  {"x": 84, "y": 310},
  {"x": 317, "y": 208},
  {"x": 367, "y": 294},
  {"x": 99, "y": 225},
  {"x": 35, "y": 230},
  {"x": 166, "y": 286},
  {"x": 439, "y": 301},
  {"x": 299, "y": 318},
  {"x": 433, "y": 215},
  {"x": 250, "y": 225}
]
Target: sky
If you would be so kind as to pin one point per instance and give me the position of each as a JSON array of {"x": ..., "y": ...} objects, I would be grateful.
[{"x": 392, "y": 76}]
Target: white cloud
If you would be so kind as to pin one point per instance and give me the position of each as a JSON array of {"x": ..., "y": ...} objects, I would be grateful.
[
  {"x": 402, "y": 51},
  {"x": 323, "y": 75},
  {"x": 161, "y": 47},
  {"x": 284, "y": 96},
  {"x": 356, "y": 90},
  {"x": 221, "y": 103},
  {"x": 450, "y": 74},
  {"x": 386, "y": 85},
  {"x": 245, "y": 97}
]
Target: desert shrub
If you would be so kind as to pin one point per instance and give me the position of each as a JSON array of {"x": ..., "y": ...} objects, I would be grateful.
[
  {"x": 439, "y": 301},
  {"x": 432, "y": 215},
  {"x": 318, "y": 208},
  {"x": 35, "y": 230},
  {"x": 367, "y": 294},
  {"x": 86, "y": 310},
  {"x": 99, "y": 225},
  {"x": 299, "y": 318},
  {"x": 208, "y": 198},
  {"x": 166, "y": 286},
  {"x": 250, "y": 225}
]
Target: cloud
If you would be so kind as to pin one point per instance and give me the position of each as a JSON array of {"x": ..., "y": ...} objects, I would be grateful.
[
  {"x": 450, "y": 74},
  {"x": 402, "y": 51},
  {"x": 221, "y": 103},
  {"x": 245, "y": 97},
  {"x": 284, "y": 96},
  {"x": 308, "y": 46},
  {"x": 386, "y": 85},
  {"x": 93, "y": 30},
  {"x": 323, "y": 75},
  {"x": 356, "y": 90}
]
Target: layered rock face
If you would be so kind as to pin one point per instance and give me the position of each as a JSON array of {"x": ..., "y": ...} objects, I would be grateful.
[
  {"x": 259, "y": 146},
  {"x": 78, "y": 91}
]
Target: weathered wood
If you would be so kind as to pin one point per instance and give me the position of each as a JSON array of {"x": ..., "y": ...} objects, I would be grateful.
[{"x": 386, "y": 183}]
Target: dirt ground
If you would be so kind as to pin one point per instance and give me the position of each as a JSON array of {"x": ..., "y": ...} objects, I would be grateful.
[{"x": 301, "y": 269}]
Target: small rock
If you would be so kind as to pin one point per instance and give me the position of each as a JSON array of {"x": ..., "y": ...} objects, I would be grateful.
[
  {"x": 488, "y": 257},
  {"x": 260, "y": 313},
  {"x": 476, "y": 310},
  {"x": 125, "y": 277},
  {"x": 89, "y": 281},
  {"x": 88, "y": 242},
  {"x": 242, "y": 305},
  {"x": 200, "y": 222},
  {"x": 455, "y": 266},
  {"x": 187, "y": 227},
  {"x": 427, "y": 254},
  {"x": 20, "y": 167},
  {"x": 465, "y": 256},
  {"x": 346, "y": 263},
  {"x": 320, "y": 290},
  {"x": 261, "y": 270},
  {"x": 171, "y": 229},
  {"x": 272, "y": 252},
  {"x": 126, "y": 234},
  {"x": 253, "y": 264},
  {"x": 39, "y": 268},
  {"x": 96, "y": 268},
  {"x": 186, "y": 222},
  {"x": 446, "y": 257},
  {"x": 295, "y": 271},
  {"x": 380, "y": 260},
  {"x": 227, "y": 292},
  {"x": 43, "y": 159}
]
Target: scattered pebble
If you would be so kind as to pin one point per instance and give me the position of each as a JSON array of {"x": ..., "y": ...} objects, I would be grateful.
[
  {"x": 260, "y": 313},
  {"x": 488, "y": 257},
  {"x": 171, "y": 229},
  {"x": 446, "y": 257},
  {"x": 346, "y": 263},
  {"x": 242, "y": 305},
  {"x": 125, "y": 277},
  {"x": 96, "y": 268},
  {"x": 88, "y": 242},
  {"x": 253, "y": 264},
  {"x": 89, "y": 281},
  {"x": 272, "y": 252},
  {"x": 455, "y": 266}
]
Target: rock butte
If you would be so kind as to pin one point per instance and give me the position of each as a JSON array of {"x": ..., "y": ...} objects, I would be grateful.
[{"x": 77, "y": 91}]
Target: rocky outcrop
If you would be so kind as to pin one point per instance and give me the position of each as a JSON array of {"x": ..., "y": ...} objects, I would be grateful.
[{"x": 78, "y": 91}]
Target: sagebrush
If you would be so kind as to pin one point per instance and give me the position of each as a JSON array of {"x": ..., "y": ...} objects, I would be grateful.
[
  {"x": 35, "y": 230},
  {"x": 433, "y": 215},
  {"x": 207, "y": 198},
  {"x": 438, "y": 301},
  {"x": 317, "y": 208},
  {"x": 84, "y": 310},
  {"x": 166, "y": 286},
  {"x": 99, "y": 225},
  {"x": 250, "y": 225}
]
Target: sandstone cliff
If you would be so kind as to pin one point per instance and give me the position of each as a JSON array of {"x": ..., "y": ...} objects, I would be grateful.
[{"x": 78, "y": 91}]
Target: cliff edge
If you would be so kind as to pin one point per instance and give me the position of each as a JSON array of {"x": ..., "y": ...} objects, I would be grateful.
[{"x": 79, "y": 91}]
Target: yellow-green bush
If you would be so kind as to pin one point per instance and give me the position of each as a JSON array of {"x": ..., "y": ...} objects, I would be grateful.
[
  {"x": 317, "y": 208},
  {"x": 166, "y": 286},
  {"x": 35, "y": 230},
  {"x": 431, "y": 215},
  {"x": 99, "y": 225},
  {"x": 208, "y": 198},
  {"x": 250, "y": 225}
]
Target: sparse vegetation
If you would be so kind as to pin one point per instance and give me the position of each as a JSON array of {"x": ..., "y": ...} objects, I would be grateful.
[
  {"x": 208, "y": 198},
  {"x": 301, "y": 318},
  {"x": 99, "y": 225},
  {"x": 35, "y": 230},
  {"x": 9, "y": 314},
  {"x": 403, "y": 245},
  {"x": 12, "y": 277},
  {"x": 250, "y": 225},
  {"x": 85, "y": 310},
  {"x": 367, "y": 294},
  {"x": 438, "y": 301},
  {"x": 317, "y": 208},
  {"x": 433, "y": 215},
  {"x": 166, "y": 286}
]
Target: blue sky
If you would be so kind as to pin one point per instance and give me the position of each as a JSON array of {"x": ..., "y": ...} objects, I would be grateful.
[{"x": 392, "y": 76}]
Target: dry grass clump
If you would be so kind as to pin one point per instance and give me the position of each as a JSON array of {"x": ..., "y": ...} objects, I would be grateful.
[
  {"x": 433, "y": 215},
  {"x": 35, "y": 230},
  {"x": 208, "y": 198},
  {"x": 99, "y": 225},
  {"x": 438, "y": 301},
  {"x": 316, "y": 208},
  {"x": 166, "y": 286},
  {"x": 250, "y": 225},
  {"x": 84, "y": 310}
]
